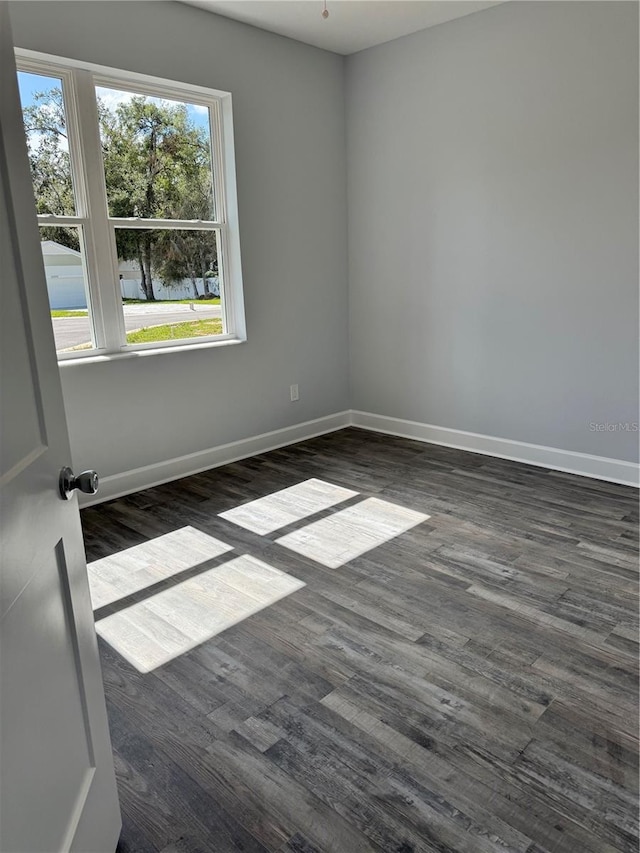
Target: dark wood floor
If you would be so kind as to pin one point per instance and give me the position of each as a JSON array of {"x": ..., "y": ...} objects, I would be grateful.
[{"x": 470, "y": 686}]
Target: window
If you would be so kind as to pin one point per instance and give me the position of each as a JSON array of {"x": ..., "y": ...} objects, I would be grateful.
[{"x": 134, "y": 185}]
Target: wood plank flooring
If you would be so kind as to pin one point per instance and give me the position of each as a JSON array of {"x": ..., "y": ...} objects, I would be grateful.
[{"x": 469, "y": 685}]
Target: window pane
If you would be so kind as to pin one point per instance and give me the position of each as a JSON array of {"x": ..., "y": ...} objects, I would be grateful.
[
  {"x": 45, "y": 124},
  {"x": 64, "y": 265},
  {"x": 170, "y": 284},
  {"x": 157, "y": 156}
]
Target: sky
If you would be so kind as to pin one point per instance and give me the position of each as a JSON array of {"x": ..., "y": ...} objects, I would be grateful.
[{"x": 30, "y": 83}]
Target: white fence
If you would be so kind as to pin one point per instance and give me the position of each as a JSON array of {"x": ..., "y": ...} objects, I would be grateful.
[
  {"x": 66, "y": 285},
  {"x": 132, "y": 289}
]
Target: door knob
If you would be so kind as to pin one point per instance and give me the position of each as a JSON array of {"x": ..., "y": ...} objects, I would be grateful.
[{"x": 86, "y": 482}]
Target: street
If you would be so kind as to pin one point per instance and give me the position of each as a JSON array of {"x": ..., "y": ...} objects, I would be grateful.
[{"x": 72, "y": 331}]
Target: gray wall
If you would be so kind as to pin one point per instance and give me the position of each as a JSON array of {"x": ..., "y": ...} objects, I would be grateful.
[
  {"x": 493, "y": 229},
  {"x": 493, "y": 224},
  {"x": 288, "y": 102}
]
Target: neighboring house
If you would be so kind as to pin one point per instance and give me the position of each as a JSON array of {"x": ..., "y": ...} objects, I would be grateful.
[
  {"x": 65, "y": 276},
  {"x": 66, "y": 279}
]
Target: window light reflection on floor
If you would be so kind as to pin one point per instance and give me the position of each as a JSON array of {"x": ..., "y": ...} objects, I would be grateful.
[
  {"x": 281, "y": 508},
  {"x": 173, "y": 621},
  {"x": 134, "y": 569},
  {"x": 351, "y": 532}
]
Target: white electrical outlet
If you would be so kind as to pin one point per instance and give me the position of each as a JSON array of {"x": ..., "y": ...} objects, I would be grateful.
[{"x": 294, "y": 393}]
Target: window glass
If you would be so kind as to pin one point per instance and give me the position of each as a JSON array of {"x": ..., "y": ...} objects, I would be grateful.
[
  {"x": 65, "y": 269},
  {"x": 170, "y": 284},
  {"x": 46, "y": 128},
  {"x": 157, "y": 156},
  {"x": 136, "y": 259}
]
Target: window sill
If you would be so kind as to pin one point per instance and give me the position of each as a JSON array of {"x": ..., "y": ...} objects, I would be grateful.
[{"x": 101, "y": 358}]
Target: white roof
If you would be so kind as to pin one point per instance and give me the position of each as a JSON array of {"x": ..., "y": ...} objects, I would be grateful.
[{"x": 50, "y": 247}]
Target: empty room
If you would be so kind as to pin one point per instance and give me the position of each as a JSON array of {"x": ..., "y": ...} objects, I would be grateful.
[{"x": 319, "y": 453}]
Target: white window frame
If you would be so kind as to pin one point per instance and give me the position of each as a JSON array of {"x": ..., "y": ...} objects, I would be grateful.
[{"x": 97, "y": 228}]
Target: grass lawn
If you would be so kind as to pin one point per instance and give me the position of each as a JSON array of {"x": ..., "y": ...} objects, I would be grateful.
[
  {"x": 175, "y": 331},
  {"x": 215, "y": 300},
  {"x": 64, "y": 312}
]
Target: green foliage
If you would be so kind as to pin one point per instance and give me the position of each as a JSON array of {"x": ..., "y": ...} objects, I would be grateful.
[
  {"x": 185, "y": 254},
  {"x": 46, "y": 128},
  {"x": 157, "y": 166},
  {"x": 157, "y": 163},
  {"x": 175, "y": 331}
]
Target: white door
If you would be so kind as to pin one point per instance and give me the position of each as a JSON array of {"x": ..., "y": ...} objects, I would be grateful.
[{"x": 57, "y": 782}]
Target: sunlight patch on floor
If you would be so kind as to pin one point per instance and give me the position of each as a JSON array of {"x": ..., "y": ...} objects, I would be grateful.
[
  {"x": 172, "y": 622},
  {"x": 279, "y": 509},
  {"x": 137, "y": 568},
  {"x": 351, "y": 532}
]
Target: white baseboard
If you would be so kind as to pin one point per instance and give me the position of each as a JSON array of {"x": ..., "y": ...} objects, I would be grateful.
[
  {"x": 118, "y": 485},
  {"x": 598, "y": 467}
]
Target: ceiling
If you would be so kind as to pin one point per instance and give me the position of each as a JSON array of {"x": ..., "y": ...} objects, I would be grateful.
[{"x": 352, "y": 25}]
